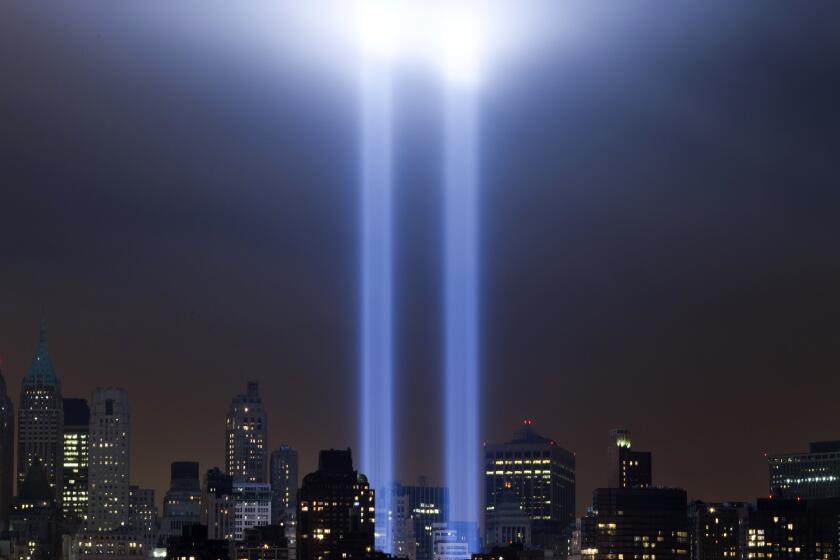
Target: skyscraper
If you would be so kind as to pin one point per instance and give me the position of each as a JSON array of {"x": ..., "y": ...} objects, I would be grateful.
[
  {"x": 7, "y": 453},
  {"x": 542, "y": 474},
  {"x": 246, "y": 437},
  {"x": 74, "y": 494},
  {"x": 284, "y": 483},
  {"x": 40, "y": 418},
  {"x": 627, "y": 468},
  {"x": 108, "y": 495},
  {"x": 815, "y": 474},
  {"x": 641, "y": 523},
  {"x": 336, "y": 511},
  {"x": 218, "y": 505},
  {"x": 714, "y": 530},
  {"x": 252, "y": 506},
  {"x": 182, "y": 503},
  {"x": 142, "y": 512}
]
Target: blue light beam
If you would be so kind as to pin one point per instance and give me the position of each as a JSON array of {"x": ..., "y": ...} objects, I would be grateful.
[
  {"x": 377, "y": 457},
  {"x": 461, "y": 264}
]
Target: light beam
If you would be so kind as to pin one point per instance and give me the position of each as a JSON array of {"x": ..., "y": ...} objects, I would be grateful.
[{"x": 377, "y": 418}]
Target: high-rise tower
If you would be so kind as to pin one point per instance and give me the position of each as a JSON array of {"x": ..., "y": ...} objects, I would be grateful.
[
  {"x": 108, "y": 494},
  {"x": 74, "y": 493},
  {"x": 246, "y": 437},
  {"x": 7, "y": 465},
  {"x": 627, "y": 468},
  {"x": 41, "y": 418}
]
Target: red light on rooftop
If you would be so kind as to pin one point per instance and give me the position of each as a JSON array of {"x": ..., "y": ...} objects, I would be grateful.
[{"x": 527, "y": 422}]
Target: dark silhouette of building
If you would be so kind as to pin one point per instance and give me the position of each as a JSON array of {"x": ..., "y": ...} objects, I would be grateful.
[
  {"x": 41, "y": 418},
  {"x": 34, "y": 519},
  {"x": 507, "y": 523},
  {"x": 267, "y": 542},
  {"x": 510, "y": 552},
  {"x": 246, "y": 437},
  {"x": 714, "y": 530},
  {"x": 283, "y": 476},
  {"x": 636, "y": 523},
  {"x": 627, "y": 468},
  {"x": 335, "y": 511},
  {"x": 182, "y": 503},
  {"x": 74, "y": 492},
  {"x": 7, "y": 453},
  {"x": 815, "y": 474},
  {"x": 542, "y": 474},
  {"x": 790, "y": 529},
  {"x": 193, "y": 544}
]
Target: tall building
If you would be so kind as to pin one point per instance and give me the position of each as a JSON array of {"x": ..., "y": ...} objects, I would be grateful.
[
  {"x": 246, "y": 437},
  {"x": 196, "y": 544},
  {"x": 40, "y": 418},
  {"x": 335, "y": 511},
  {"x": 714, "y": 530},
  {"x": 108, "y": 494},
  {"x": 142, "y": 512},
  {"x": 627, "y": 468},
  {"x": 815, "y": 474},
  {"x": 421, "y": 506},
  {"x": 182, "y": 503},
  {"x": 218, "y": 505},
  {"x": 252, "y": 507},
  {"x": 284, "y": 483},
  {"x": 636, "y": 523},
  {"x": 7, "y": 453},
  {"x": 542, "y": 474},
  {"x": 34, "y": 519},
  {"x": 74, "y": 493}
]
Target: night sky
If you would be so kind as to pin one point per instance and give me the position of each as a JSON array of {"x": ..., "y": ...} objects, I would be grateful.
[{"x": 660, "y": 236}]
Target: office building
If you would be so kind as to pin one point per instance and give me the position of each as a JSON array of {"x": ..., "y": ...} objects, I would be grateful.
[
  {"x": 252, "y": 507},
  {"x": 713, "y": 530},
  {"x": 815, "y": 474},
  {"x": 218, "y": 505},
  {"x": 283, "y": 471},
  {"x": 636, "y": 523},
  {"x": 628, "y": 468},
  {"x": 422, "y": 506},
  {"x": 108, "y": 494},
  {"x": 246, "y": 437},
  {"x": 335, "y": 510},
  {"x": 7, "y": 453},
  {"x": 542, "y": 474},
  {"x": 142, "y": 512},
  {"x": 507, "y": 523},
  {"x": 790, "y": 529},
  {"x": 74, "y": 493},
  {"x": 41, "y": 419},
  {"x": 120, "y": 544},
  {"x": 34, "y": 519},
  {"x": 448, "y": 543},
  {"x": 182, "y": 503}
]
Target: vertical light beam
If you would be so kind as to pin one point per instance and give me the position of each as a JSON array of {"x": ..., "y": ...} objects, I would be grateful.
[
  {"x": 377, "y": 459},
  {"x": 461, "y": 309}
]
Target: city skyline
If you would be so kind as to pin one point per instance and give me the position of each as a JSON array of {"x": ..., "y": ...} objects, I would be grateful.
[{"x": 179, "y": 200}]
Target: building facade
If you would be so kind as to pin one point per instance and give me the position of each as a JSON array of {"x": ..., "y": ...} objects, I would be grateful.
[
  {"x": 336, "y": 510},
  {"x": 714, "y": 530},
  {"x": 142, "y": 513},
  {"x": 182, "y": 503},
  {"x": 34, "y": 519},
  {"x": 74, "y": 492},
  {"x": 41, "y": 418},
  {"x": 246, "y": 437},
  {"x": 448, "y": 543},
  {"x": 7, "y": 453},
  {"x": 627, "y": 468},
  {"x": 283, "y": 471},
  {"x": 815, "y": 474},
  {"x": 790, "y": 529},
  {"x": 252, "y": 507},
  {"x": 110, "y": 438},
  {"x": 636, "y": 524},
  {"x": 218, "y": 505},
  {"x": 422, "y": 506},
  {"x": 507, "y": 523},
  {"x": 542, "y": 474}
]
